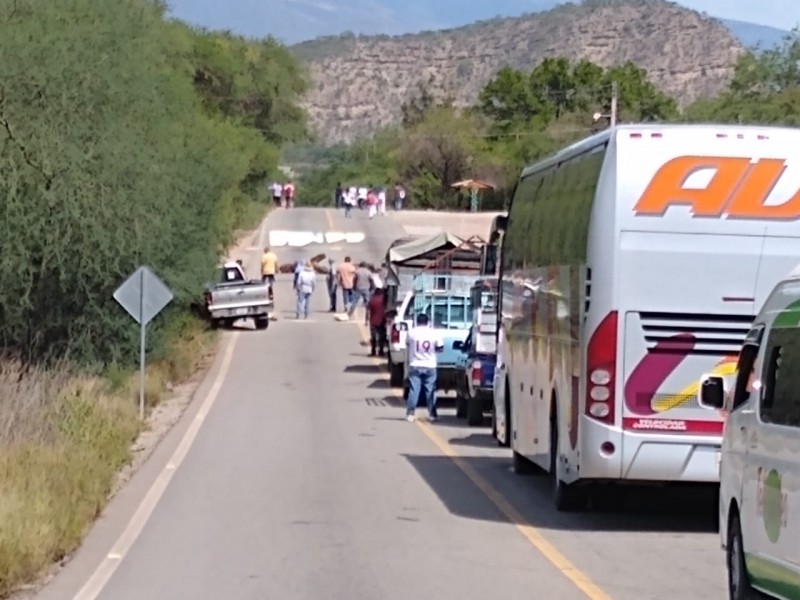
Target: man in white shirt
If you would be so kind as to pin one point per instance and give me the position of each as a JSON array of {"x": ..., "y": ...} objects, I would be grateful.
[
  {"x": 382, "y": 201},
  {"x": 422, "y": 344},
  {"x": 362, "y": 196},
  {"x": 277, "y": 193}
]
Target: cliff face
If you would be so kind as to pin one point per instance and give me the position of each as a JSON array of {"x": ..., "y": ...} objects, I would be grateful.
[{"x": 360, "y": 84}]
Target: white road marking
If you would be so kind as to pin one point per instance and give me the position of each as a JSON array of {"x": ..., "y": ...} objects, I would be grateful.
[
  {"x": 298, "y": 239},
  {"x": 101, "y": 576}
]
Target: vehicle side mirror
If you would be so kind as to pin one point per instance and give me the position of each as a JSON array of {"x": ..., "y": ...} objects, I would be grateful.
[
  {"x": 458, "y": 345},
  {"x": 712, "y": 392}
]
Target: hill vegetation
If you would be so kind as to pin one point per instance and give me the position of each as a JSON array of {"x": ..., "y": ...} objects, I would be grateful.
[
  {"x": 360, "y": 82},
  {"x": 519, "y": 117},
  {"x": 125, "y": 139}
]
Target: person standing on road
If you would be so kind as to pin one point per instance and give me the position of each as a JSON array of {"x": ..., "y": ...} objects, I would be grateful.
[
  {"x": 362, "y": 290},
  {"x": 372, "y": 202},
  {"x": 399, "y": 196},
  {"x": 269, "y": 267},
  {"x": 376, "y": 316},
  {"x": 306, "y": 282},
  {"x": 333, "y": 284},
  {"x": 288, "y": 192},
  {"x": 382, "y": 201},
  {"x": 339, "y": 195},
  {"x": 361, "y": 198},
  {"x": 346, "y": 277},
  {"x": 277, "y": 193},
  {"x": 422, "y": 344},
  {"x": 349, "y": 202}
]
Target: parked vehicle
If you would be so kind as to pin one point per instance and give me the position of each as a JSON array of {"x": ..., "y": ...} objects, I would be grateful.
[
  {"x": 633, "y": 262},
  {"x": 760, "y": 456},
  {"x": 408, "y": 259},
  {"x": 445, "y": 300},
  {"x": 479, "y": 353},
  {"x": 233, "y": 297}
]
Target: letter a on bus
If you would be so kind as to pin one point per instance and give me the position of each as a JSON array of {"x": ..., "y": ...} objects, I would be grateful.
[{"x": 738, "y": 189}]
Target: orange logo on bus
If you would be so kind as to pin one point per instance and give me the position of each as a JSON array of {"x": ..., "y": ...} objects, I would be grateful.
[{"x": 738, "y": 189}]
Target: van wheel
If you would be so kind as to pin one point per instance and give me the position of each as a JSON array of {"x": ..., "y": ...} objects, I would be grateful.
[
  {"x": 739, "y": 587},
  {"x": 262, "y": 323},
  {"x": 567, "y": 498},
  {"x": 395, "y": 374}
]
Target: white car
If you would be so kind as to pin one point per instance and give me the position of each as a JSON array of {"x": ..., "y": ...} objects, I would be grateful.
[{"x": 760, "y": 454}]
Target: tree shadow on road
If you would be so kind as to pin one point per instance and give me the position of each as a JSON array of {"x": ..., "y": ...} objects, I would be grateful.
[{"x": 661, "y": 509}]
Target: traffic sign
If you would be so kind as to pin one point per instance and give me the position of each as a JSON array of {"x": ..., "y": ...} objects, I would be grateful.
[{"x": 143, "y": 295}]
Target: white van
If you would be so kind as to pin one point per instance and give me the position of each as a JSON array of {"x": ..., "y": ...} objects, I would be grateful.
[{"x": 760, "y": 454}]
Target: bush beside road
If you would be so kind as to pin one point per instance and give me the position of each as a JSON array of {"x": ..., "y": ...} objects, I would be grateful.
[{"x": 125, "y": 139}]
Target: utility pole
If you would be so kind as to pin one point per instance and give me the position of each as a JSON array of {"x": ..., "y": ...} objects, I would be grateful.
[{"x": 614, "y": 98}]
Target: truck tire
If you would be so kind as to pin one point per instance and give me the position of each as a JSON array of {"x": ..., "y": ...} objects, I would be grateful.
[
  {"x": 474, "y": 411},
  {"x": 566, "y": 498},
  {"x": 262, "y": 323},
  {"x": 395, "y": 375},
  {"x": 461, "y": 406}
]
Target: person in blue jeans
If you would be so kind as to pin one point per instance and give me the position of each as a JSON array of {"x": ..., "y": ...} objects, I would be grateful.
[
  {"x": 306, "y": 282},
  {"x": 422, "y": 344}
]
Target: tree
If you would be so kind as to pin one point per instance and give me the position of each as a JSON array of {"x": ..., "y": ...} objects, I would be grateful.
[{"x": 111, "y": 157}]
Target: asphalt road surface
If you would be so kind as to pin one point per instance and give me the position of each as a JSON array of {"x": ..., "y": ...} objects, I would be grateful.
[{"x": 293, "y": 476}]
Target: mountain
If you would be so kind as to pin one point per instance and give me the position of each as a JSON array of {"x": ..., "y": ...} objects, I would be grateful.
[
  {"x": 294, "y": 21},
  {"x": 361, "y": 82}
]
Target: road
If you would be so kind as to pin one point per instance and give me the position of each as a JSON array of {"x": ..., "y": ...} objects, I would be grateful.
[{"x": 293, "y": 476}]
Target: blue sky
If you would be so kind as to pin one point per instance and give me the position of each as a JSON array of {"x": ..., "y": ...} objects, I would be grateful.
[{"x": 296, "y": 20}]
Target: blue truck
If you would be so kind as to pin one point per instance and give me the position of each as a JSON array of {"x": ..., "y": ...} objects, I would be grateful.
[
  {"x": 478, "y": 355},
  {"x": 446, "y": 300}
]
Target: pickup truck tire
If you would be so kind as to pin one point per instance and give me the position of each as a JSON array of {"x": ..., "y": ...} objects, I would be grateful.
[
  {"x": 461, "y": 406},
  {"x": 474, "y": 412},
  {"x": 262, "y": 323},
  {"x": 395, "y": 375}
]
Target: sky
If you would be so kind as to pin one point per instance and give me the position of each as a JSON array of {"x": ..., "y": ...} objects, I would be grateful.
[{"x": 292, "y": 21}]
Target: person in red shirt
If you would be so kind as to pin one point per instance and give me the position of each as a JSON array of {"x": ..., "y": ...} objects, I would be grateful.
[{"x": 376, "y": 314}]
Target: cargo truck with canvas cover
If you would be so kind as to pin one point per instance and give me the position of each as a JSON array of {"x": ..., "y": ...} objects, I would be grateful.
[{"x": 633, "y": 262}]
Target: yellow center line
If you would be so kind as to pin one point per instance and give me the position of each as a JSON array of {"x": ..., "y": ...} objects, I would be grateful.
[{"x": 531, "y": 533}]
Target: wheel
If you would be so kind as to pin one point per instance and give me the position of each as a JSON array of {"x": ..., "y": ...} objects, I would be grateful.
[
  {"x": 461, "y": 406},
  {"x": 567, "y": 498},
  {"x": 739, "y": 587},
  {"x": 521, "y": 465},
  {"x": 474, "y": 411},
  {"x": 395, "y": 374},
  {"x": 494, "y": 424},
  {"x": 262, "y": 323},
  {"x": 507, "y": 424},
  {"x": 214, "y": 324}
]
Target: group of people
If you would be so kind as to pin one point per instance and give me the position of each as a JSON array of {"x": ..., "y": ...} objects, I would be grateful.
[
  {"x": 364, "y": 284},
  {"x": 370, "y": 197},
  {"x": 283, "y": 194},
  {"x": 358, "y": 284}
]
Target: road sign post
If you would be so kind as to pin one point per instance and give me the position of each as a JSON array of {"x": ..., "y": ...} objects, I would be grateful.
[{"x": 143, "y": 295}]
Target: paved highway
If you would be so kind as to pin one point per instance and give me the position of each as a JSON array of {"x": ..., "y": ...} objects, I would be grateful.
[{"x": 293, "y": 476}]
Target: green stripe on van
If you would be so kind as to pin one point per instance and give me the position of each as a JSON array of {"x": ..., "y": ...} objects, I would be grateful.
[
  {"x": 772, "y": 577},
  {"x": 788, "y": 317}
]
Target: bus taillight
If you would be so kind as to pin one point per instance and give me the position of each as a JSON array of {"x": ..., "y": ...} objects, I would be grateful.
[{"x": 601, "y": 364}]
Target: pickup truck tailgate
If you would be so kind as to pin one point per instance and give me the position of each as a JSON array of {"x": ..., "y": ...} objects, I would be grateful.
[
  {"x": 450, "y": 357},
  {"x": 239, "y": 296}
]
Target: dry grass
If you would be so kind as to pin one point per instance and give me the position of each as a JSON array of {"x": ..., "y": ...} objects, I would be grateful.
[{"x": 63, "y": 438}]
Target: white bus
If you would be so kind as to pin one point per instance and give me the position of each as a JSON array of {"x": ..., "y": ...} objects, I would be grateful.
[{"x": 633, "y": 262}]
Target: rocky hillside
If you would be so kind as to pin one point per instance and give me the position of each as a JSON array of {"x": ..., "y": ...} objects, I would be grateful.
[{"x": 360, "y": 83}]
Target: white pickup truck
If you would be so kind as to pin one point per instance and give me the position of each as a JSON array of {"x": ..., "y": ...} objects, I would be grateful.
[{"x": 235, "y": 297}]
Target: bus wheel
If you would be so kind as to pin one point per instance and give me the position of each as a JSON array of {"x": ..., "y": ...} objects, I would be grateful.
[{"x": 567, "y": 498}]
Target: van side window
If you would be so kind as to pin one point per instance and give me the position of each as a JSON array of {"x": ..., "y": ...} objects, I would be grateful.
[
  {"x": 745, "y": 375},
  {"x": 780, "y": 400}
]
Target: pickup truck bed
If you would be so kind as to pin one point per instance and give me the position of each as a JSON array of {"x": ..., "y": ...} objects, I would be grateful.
[{"x": 234, "y": 298}]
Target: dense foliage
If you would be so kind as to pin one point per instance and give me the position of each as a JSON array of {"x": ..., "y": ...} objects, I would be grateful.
[
  {"x": 124, "y": 139},
  {"x": 520, "y": 117}
]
